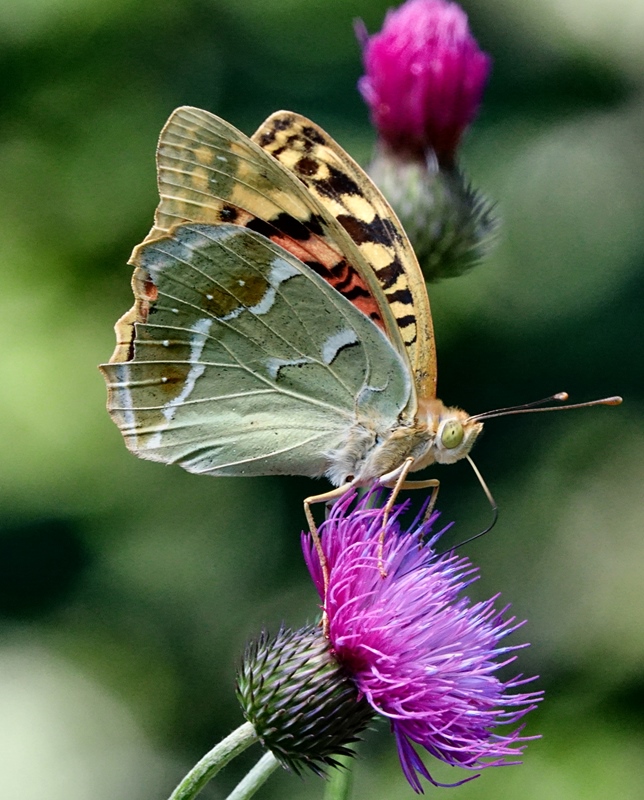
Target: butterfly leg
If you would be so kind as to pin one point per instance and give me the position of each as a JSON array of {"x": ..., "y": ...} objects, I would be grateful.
[
  {"x": 395, "y": 480},
  {"x": 308, "y": 502},
  {"x": 398, "y": 486},
  {"x": 430, "y": 483}
]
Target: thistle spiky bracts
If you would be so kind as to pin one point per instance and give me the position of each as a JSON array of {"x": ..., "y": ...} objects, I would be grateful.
[{"x": 303, "y": 705}]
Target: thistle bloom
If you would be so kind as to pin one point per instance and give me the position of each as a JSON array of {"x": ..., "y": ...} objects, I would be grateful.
[
  {"x": 424, "y": 81},
  {"x": 422, "y": 654},
  {"x": 425, "y": 76}
]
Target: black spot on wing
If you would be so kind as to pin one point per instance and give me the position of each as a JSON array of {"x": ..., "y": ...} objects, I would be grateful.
[
  {"x": 337, "y": 183},
  {"x": 261, "y": 226},
  {"x": 306, "y": 166},
  {"x": 403, "y": 296},
  {"x": 298, "y": 143},
  {"x": 324, "y": 271},
  {"x": 338, "y": 270},
  {"x": 314, "y": 224},
  {"x": 277, "y": 125},
  {"x": 354, "y": 292},
  {"x": 288, "y": 225},
  {"x": 378, "y": 230},
  {"x": 314, "y": 135},
  {"x": 344, "y": 283},
  {"x": 318, "y": 268},
  {"x": 228, "y": 214},
  {"x": 354, "y": 227},
  {"x": 406, "y": 321},
  {"x": 267, "y": 138},
  {"x": 390, "y": 274}
]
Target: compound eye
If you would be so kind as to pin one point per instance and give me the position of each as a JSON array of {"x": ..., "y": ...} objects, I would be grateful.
[{"x": 452, "y": 434}]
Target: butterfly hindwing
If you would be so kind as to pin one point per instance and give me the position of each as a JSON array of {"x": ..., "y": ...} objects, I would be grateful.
[{"x": 244, "y": 361}]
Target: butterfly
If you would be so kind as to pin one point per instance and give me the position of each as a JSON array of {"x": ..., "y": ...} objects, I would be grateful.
[{"x": 281, "y": 323}]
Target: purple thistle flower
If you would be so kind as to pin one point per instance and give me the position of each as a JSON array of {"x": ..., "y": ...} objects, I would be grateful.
[
  {"x": 422, "y": 655},
  {"x": 425, "y": 77}
]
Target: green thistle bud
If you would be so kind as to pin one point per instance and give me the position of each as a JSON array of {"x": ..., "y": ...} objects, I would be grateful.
[
  {"x": 304, "y": 707},
  {"x": 451, "y": 225}
]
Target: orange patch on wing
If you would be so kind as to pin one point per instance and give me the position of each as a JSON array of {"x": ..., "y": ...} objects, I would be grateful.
[{"x": 329, "y": 264}]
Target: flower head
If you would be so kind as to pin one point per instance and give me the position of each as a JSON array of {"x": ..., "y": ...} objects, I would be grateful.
[
  {"x": 425, "y": 77},
  {"x": 424, "y": 81},
  {"x": 300, "y": 701},
  {"x": 421, "y": 653}
]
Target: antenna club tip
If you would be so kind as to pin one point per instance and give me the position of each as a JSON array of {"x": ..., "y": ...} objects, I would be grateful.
[
  {"x": 613, "y": 401},
  {"x": 562, "y": 396}
]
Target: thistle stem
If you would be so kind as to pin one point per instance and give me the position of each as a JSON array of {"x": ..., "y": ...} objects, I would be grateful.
[
  {"x": 260, "y": 773},
  {"x": 206, "y": 769},
  {"x": 339, "y": 782}
]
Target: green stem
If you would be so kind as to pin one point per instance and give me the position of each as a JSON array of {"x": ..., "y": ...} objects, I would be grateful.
[
  {"x": 234, "y": 744},
  {"x": 247, "y": 787},
  {"x": 339, "y": 782}
]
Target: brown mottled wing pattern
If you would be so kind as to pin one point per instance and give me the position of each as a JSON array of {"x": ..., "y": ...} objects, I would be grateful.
[
  {"x": 209, "y": 172},
  {"x": 343, "y": 189}
]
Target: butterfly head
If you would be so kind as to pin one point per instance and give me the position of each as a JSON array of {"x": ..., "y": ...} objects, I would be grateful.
[
  {"x": 454, "y": 432},
  {"x": 455, "y": 436}
]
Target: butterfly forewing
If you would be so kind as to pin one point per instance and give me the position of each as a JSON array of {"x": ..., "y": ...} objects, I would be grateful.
[
  {"x": 343, "y": 188},
  {"x": 205, "y": 163},
  {"x": 245, "y": 362},
  {"x": 210, "y": 172}
]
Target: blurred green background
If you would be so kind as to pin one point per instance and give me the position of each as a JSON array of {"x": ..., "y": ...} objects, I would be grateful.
[{"x": 128, "y": 589}]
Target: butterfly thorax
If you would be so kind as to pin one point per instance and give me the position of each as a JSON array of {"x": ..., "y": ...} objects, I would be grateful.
[{"x": 438, "y": 434}]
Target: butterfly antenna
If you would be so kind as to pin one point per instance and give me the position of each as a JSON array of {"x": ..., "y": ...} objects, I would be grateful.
[
  {"x": 495, "y": 511},
  {"x": 527, "y": 408}
]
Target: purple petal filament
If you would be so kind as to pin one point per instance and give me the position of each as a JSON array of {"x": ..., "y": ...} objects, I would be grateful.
[{"x": 425, "y": 76}]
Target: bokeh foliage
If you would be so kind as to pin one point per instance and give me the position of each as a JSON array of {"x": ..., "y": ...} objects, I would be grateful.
[{"x": 128, "y": 589}]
